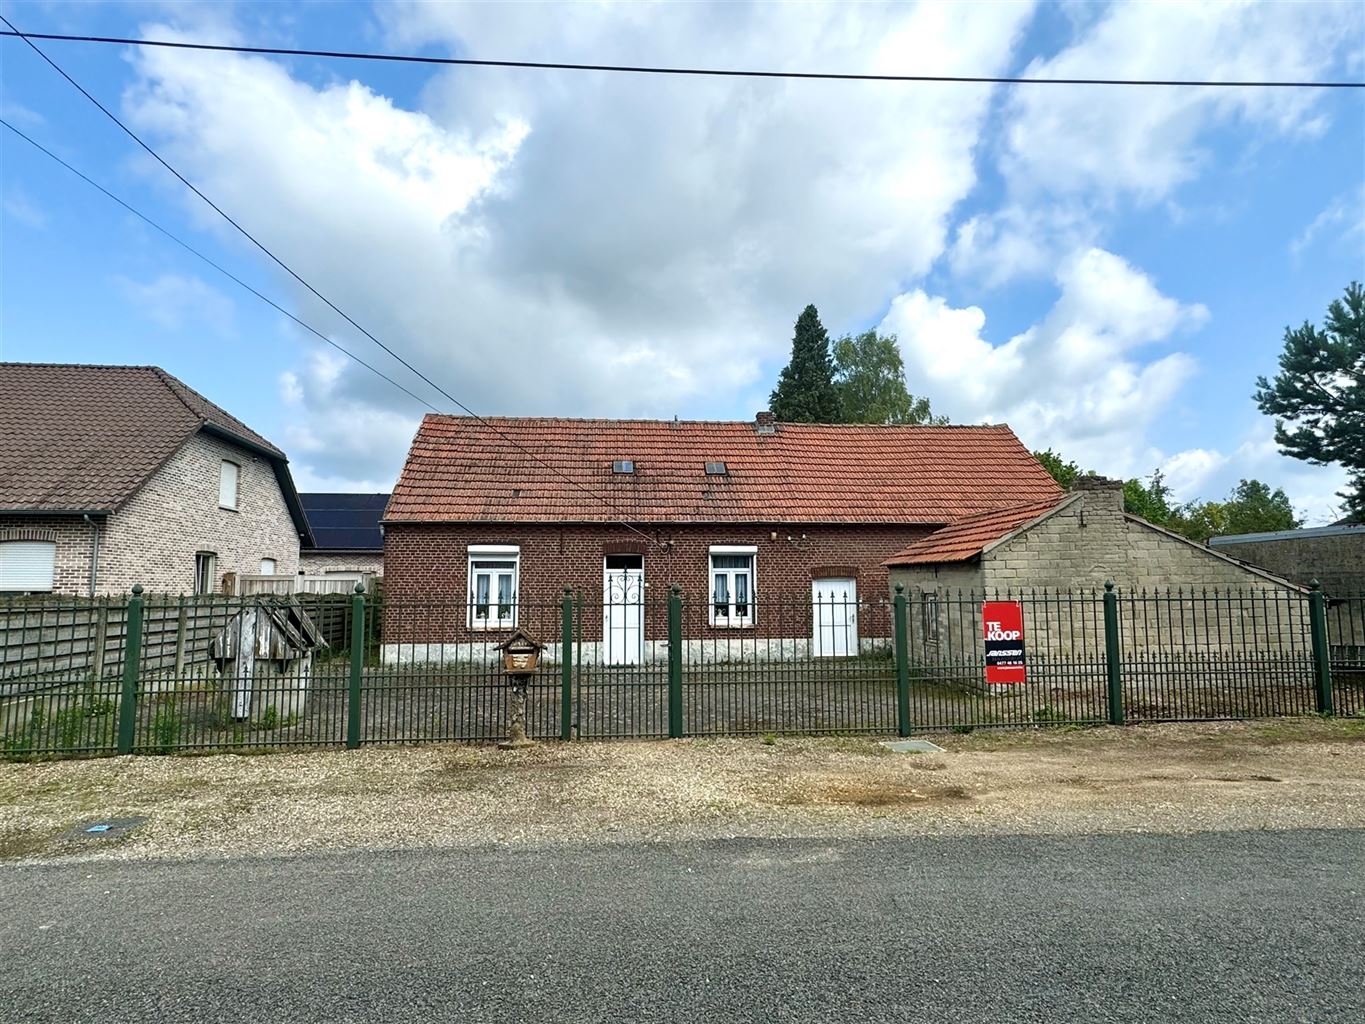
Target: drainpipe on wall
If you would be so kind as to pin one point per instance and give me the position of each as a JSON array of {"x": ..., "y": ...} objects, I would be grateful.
[{"x": 94, "y": 551}]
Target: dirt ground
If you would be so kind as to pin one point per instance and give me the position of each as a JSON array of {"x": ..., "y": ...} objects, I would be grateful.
[{"x": 1279, "y": 774}]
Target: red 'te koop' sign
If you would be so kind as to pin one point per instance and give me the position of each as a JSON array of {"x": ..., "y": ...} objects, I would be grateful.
[{"x": 1003, "y": 628}]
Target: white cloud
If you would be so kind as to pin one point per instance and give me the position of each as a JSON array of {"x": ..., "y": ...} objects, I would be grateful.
[
  {"x": 342, "y": 440},
  {"x": 1186, "y": 473},
  {"x": 1080, "y": 381},
  {"x": 1344, "y": 216},
  {"x": 1312, "y": 490},
  {"x": 17, "y": 204},
  {"x": 1144, "y": 141},
  {"x": 583, "y": 243},
  {"x": 1071, "y": 156},
  {"x": 175, "y": 300}
]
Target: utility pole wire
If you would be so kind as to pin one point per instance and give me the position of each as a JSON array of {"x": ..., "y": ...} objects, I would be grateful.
[
  {"x": 482, "y": 421},
  {"x": 635, "y": 69},
  {"x": 216, "y": 266}
]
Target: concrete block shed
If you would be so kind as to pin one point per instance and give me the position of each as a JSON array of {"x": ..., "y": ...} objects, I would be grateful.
[{"x": 1074, "y": 546}]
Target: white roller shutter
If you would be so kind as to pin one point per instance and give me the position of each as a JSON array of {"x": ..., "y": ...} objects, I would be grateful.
[
  {"x": 227, "y": 485},
  {"x": 26, "y": 565}
]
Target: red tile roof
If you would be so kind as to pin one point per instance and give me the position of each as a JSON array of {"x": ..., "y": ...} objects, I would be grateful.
[
  {"x": 79, "y": 438},
  {"x": 560, "y": 470},
  {"x": 967, "y": 538}
]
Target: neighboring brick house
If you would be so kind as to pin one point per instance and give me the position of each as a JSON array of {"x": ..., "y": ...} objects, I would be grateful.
[
  {"x": 500, "y": 515},
  {"x": 348, "y": 538},
  {"x": 1079, "y": 542},
  {"x": 112, "y": 476}
]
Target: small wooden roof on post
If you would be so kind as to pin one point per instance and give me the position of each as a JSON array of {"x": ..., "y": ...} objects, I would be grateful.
[{"x": 521, "y": 642}]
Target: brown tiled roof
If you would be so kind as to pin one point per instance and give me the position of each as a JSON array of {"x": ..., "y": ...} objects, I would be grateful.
[
  {"x": 967, "y": 538},
  {"x": 77, "y": 438},
  {"x": 460, "y": 469}
]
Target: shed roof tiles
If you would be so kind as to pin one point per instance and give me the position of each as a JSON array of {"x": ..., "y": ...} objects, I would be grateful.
[{"x": 968, "y": 537}]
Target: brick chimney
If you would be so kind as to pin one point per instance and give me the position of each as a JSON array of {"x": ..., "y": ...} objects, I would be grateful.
[
  {"x": 765, "y": 422},
  {"x": 1101, "y": 493}
]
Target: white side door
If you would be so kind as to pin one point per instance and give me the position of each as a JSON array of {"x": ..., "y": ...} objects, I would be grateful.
[
  {"x": 623, "y": 605},
  {"x": 834, "y": 616}
]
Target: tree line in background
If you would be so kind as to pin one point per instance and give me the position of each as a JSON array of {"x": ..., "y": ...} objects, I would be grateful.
[
  {"x": 1317, "y": 399},
  {"x": 1251, "y": 507},
  {"x": 861, "y": 380}
]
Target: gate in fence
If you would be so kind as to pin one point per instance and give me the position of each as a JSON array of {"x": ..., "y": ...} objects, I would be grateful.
[{"x": 159, "y": 675}]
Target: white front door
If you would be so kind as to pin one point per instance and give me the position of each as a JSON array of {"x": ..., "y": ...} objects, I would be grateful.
[
  {"x": 834, "y": 615},
  {"x": 623, "y": 606}
]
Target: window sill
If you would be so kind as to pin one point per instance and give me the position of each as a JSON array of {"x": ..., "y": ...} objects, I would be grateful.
[
  {"x": 228, "y": 508},
  {"x": 732, "y": 625}
]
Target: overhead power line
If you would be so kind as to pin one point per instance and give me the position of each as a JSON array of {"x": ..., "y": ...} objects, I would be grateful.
[
  {"x": 482, "y": 421},
  {"x": 215, "y": 265},
  {"x": 639, "y": 69}
]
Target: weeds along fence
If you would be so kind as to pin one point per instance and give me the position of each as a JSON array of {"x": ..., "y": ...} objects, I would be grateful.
[{"x": 152, "y": 674}]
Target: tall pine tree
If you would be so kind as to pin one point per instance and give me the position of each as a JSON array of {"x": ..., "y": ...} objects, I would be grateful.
[
  {"x": 1318, "y": 397},
  {"x": 805, "y": 391}
]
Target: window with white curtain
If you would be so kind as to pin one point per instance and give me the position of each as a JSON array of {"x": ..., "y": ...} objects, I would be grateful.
[
  {"x": 733, "y": 573},
  {"x": 267, "y": 567},
  {"x": 493, "y": 572},
  {"x": 26, "y": 566}
]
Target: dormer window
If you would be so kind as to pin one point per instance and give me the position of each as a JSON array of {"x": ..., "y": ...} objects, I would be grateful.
[
  {"x": 715, "y": 469},
  {"x": 623, "y": 466}
]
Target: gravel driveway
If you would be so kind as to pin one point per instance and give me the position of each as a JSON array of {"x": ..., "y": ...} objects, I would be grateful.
[{"x": 1277, "y": 775}]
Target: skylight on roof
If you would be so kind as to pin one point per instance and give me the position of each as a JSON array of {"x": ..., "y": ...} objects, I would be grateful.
[
  {"x": 715, "y": 469},
  {"x": 623, "y": 466}
]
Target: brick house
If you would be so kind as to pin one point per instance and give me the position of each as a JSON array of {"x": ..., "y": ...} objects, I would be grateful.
[
  {"x": 348, "y": 538},
  {"x": 750, "y": 519},
  {"x": 112, "y": 476}
]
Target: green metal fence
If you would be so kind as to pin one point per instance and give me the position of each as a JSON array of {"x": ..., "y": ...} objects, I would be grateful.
[{"x": 156, "y": 674}]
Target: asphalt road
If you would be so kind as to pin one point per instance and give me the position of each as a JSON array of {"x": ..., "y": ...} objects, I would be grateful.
[{"x": 1219, "y": 927}]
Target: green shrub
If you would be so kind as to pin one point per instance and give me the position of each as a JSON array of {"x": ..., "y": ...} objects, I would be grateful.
[
  {"x": 166, "y": 729},
  {"x": 1047, "y": 713},
  {"x": 70, "y": 723}
]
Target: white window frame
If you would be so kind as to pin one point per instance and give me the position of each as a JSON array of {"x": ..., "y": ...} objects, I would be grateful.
[
  {"x": 732, "y": 618},
  {"x": 236, "y": 484},
  {"x": 39, "y": 583},
  {"x": 206, "y": 583},
  {"x": 269, "y": 566},
  {"x": 493, "y": 617}
]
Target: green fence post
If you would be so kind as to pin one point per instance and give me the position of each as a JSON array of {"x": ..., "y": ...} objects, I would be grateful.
[
  {"x": 1322, "y": 655},
  {"x": 132, "y": 663},
  {"x": 357, "y": 667},
  {"x": 1111, "y": 653},
  {"x": 675, "y": 702},
  {"x": 566, "y": 667},
  {"x": 902, "y": 665}
]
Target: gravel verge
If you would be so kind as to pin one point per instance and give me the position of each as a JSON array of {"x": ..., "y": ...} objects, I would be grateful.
[{"x": 1279, "y": 774}]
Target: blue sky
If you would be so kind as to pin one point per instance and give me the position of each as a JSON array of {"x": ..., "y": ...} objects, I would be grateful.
[{"x": 1106, "y": 270}]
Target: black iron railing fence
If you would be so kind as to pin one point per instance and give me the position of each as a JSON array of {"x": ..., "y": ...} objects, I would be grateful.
[{"x": 153, "y": 674}]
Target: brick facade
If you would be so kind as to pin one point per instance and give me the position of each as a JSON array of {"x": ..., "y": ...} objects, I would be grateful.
[
  {"x": 429, "y": 562},
  {"x": 74, "y": 540},
  {"x": 153, "y": 539}
]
